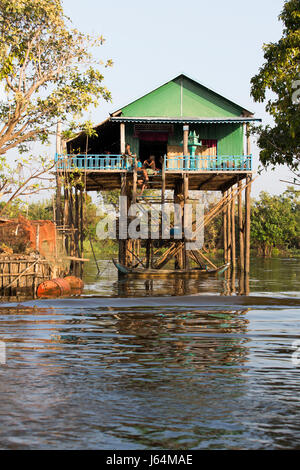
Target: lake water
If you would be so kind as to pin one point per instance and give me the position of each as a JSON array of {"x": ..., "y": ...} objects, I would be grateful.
[{"x": 156, "y": 365}]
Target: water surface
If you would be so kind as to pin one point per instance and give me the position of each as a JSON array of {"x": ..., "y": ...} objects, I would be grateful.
[{"x": 163, "y": 364}]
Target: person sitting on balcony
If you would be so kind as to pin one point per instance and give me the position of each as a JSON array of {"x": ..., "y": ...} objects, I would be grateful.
[
  {"x": 141, "y": 174},
  {"x": 150, "y": 167},
  {"x": 128, "y": 158}
]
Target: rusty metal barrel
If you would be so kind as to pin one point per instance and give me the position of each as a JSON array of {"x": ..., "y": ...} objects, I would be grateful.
[
  {"x": 54, "y": 288},
  {"x": 75, "y": 282}
]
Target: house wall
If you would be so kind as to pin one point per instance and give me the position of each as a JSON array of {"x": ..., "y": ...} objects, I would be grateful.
[
  {"x": 130, "y": 139},
  {"x": 229, "y": 136}
]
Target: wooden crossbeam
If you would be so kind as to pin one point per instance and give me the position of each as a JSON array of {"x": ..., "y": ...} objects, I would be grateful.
[
  {"x": 138, "y": 259},
  {"x": 199, "y": 253},
  {"x": 168, "y": 255}
]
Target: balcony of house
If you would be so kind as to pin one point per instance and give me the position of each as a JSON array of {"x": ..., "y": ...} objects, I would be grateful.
[
  {"x": 171, "y": 164},
  {"x": 209, "y": 172}
]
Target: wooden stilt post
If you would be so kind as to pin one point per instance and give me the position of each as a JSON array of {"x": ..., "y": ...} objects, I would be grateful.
[
  {"x": 130, "y": 242},
  {"x": 225, "y": 232},
  {"x": 233, "y": 246},
  {"x": 241, "y": 229},
  {"x": 149, "y": 245},
  {"x": 232, "y": 281},
  {"x": 76, "y": 233},
  {"x": 124, "y": 255},
  {"x": 241, "y": 282},
  {"x": 120, "y": 227},
  {"x": 134, "y": 182},
  {"x": 151, "y": 254},
  {"x": 133, "y": 244},
  {"x": 163, "y": 195},
  {"x": 228, "y": 231},
  {"x": 246, "y": 284},
  {"x": 247, "y": 223},
  {"x": 185, "y": 200},
  {"x": 163, "y": 185},
  {"x": 58, "y": 215},
  {"x": 72, "y": 230},
  {"x": 81, "y": 229},
  {"x": 148, "y": 252},
  {"x": 179, "y": 261},
  {"x": 247, "y": 213},
  {"x": 66, "y": 216}
]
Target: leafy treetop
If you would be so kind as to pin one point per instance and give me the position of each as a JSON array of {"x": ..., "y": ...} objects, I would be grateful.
[{"x": 280, "y": 144}]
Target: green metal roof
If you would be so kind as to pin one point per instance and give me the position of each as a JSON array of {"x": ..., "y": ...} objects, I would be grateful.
[{"x": 183, "y": 97}]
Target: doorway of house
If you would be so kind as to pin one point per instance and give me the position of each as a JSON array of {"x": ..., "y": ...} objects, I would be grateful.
[{"x": 158, "y": 149}]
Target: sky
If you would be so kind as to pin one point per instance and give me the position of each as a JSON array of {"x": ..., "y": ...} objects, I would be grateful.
[{"x": 217, "y": 42}]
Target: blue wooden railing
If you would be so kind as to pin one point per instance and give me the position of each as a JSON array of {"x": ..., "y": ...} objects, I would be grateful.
[
  {"x": 209, "y": 163},
  {"x": 181, "y": 163},
  {"x": 93, "y": 162}
]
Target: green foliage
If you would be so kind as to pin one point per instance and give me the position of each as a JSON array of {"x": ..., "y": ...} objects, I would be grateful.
[
  {"x": 275, "y": 225},
  {"x": 87, "y": 127},
  {"x": 102, "y": 248},
  {"x": 275, "y": 222},
  {"x": 40, "y": 210},
  {"x": 213, "y": 234},
  {"x": 280, "y": 144},
  {"x": 110, "y": 197},
  {"x": 90, "y": 218}
]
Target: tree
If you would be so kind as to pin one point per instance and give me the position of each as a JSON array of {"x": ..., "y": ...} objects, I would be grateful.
[
  {"x": 48, "y": 75},
  {"x": 47, "y": 69},
  {"x": 275, "y": 222},
  {"x": 280, "y": 74},
  {"x": 40, "y": 210},
  {"x": 292, "y": 196},
  {"x": 27, "y": 176}
]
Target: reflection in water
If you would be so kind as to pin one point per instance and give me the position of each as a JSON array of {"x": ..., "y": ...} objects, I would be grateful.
[
  {"x": 266, "y": 276},
  {"x": 236, "y": 283},
  {"x": 231, "y": 283},
  {"x": 186, "y": 338},
  {"x": 152, "y": 287}
]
